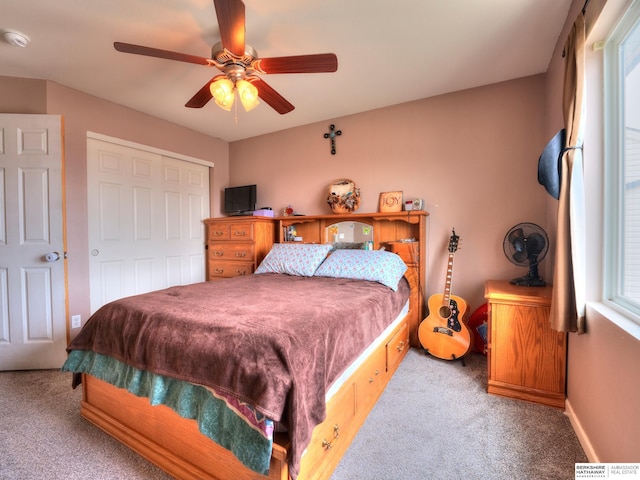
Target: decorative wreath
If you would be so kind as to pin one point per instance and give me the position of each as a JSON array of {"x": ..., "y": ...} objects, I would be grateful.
[{"x": 344, "y": 196}]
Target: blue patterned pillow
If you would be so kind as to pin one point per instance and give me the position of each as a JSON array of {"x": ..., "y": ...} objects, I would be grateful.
[
  {"x": 376, "y": 265},
  {"x": 300, "y": 259}
]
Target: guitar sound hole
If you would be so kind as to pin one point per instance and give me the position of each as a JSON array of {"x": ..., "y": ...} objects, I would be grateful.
[{"x": 444, "y": 311}]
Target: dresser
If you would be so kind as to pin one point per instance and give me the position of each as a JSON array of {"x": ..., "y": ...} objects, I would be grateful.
[
  {"x": 237, "y": 245},
  {"x": 526, "y": 357}
]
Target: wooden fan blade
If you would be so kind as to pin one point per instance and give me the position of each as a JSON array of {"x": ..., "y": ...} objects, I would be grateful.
[
  {"x": 316, "y": 63},
  {"x": 231, "y": 23},
  {"x": 202, "y": 97},
  {"x": 270, "y": 96},
  {"x": 156, "y": 52}
]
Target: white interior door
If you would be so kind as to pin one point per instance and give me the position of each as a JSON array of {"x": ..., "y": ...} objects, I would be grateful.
[
  {"x": 33, "y": 327},
  {"x": 145, "y": 220}
]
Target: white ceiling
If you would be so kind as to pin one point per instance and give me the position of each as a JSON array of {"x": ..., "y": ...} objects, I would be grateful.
[{"x": 389, "y": 52}]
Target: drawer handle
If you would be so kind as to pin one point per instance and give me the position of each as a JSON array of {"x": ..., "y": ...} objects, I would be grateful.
[
  {"x": 219, "y": 271},
  {"x": 400, "y": 346},
  {"x": 241, "y": 272},
  {"x": 241, "y": 254},
  {"x": 327, "y": 444},
  {"x": 218, "y": 253},
  {"x": 217, "y": 233},
  {"x": 376, "y": 373},
  {"x": 239, "y": 234}
]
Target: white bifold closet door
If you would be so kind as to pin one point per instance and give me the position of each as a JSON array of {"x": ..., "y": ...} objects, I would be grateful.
[{"x": 145, "y": 220}]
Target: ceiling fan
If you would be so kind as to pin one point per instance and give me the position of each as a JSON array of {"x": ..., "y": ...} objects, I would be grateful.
[{"x": 239, "y": 64}]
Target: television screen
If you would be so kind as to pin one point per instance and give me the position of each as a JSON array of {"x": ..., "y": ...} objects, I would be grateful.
[{"x": 240, "y": 200}]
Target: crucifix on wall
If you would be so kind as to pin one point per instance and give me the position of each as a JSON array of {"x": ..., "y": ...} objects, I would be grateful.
[{"x": 332, "y": 135}]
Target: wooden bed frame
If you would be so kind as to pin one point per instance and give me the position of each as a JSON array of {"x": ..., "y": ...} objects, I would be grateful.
[{"x": 175, "y": 444}]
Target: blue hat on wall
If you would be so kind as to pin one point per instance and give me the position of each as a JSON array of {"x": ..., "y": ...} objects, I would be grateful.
[{"x": 549, "y": 168}]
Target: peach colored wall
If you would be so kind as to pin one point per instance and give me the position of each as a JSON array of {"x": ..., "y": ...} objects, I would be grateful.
[
  {"x": 22, "y": 95},
  {"x": 82, "y": 113},
  {"x": 603, "y": 371},
  {"x": 472, "y": 156}
]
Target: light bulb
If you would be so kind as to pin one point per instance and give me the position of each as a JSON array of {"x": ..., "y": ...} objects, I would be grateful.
[
  {"x": 222, "y": 92},
  {"x": 248, "y": 94}
]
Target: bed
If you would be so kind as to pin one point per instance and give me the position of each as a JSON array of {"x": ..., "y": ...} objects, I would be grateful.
[{"x": 306, "y": 370}]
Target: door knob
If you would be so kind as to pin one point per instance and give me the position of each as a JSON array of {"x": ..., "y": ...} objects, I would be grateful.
[{"x": 52, "y": 257}]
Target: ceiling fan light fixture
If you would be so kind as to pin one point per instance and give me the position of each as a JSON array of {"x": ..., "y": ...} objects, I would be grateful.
[
  {"x": 222, "y": 92},
  {"x": 248, "y": 94}
]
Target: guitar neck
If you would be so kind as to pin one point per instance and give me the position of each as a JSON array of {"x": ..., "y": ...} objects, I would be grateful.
[{"x": 446, "y": 297}]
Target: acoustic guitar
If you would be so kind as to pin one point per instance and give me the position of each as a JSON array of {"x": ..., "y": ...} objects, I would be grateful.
[{"x": 444, "y": 333}]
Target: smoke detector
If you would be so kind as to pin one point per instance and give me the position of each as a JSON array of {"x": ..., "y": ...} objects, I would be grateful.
[{"x": 15, "y": 38}]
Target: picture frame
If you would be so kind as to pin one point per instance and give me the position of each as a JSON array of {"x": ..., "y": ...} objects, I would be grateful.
[{"x": 391, "y": 201}]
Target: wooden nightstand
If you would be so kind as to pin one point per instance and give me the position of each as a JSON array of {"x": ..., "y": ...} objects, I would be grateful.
[
  {"x": 237, "y": 245},
  {"x": 526, "y": 357}
]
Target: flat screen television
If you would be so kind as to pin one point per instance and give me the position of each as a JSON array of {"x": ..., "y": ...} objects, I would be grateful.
[{"x": 240, "y": 200}]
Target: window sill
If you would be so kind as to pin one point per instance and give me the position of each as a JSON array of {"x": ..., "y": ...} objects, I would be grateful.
[{"x": 619, "y": 319}]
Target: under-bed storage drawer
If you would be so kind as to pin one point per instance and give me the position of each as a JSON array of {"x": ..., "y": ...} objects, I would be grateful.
[
  {"x": 370, "y": 379},
  {"x": 397, "y": 347},
  {"x": 332, "y": 437}
]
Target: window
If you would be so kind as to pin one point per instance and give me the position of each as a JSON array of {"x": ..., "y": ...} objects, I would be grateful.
[{"x": 622, "y": 185}]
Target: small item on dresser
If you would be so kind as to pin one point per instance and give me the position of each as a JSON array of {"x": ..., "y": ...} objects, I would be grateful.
[
  {"x": 413, "y": 204},
  {"x": 264, "y": 212},
  {"x": 391, "y": 201},
  {"x": 344, "y": 196}
]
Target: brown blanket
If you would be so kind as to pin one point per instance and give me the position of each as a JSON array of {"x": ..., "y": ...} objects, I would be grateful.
[{"x": 272, "y": 340}]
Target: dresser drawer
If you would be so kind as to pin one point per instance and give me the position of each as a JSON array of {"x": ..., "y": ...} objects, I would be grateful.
[
  {"x": 218, "y": 231},
  {"x": 231, "y": 251},
  {"x": 241, "y": 231},
  {"x": 222, "y": 269},
  {"x": 229, "y": 231},
  {"x": 397, "y": 347}
]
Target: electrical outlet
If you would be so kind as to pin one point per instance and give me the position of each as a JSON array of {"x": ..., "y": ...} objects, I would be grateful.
[{"x": 76, "y": 321}]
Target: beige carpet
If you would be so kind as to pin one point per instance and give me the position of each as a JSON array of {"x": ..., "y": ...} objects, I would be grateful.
[{"x": 434, "y": 421}]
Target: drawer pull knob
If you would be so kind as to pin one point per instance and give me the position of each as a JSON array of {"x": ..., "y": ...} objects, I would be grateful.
[
  {"x": 370, "y": 379},
  {"x": 241, "y": 254},
  {"x": 327, "y": 444},
  {"x": 400, "y": 346},
  {"x": 217, "y": 233},
  {"x": 218, "y": 253},
  {"x": 219, "y": 271},
  {"x": 241, "y": 272},
  {"x": 239, "y": 234}
]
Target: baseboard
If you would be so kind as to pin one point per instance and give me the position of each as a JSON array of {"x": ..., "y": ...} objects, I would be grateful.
[{"x": 583, "y": 438}]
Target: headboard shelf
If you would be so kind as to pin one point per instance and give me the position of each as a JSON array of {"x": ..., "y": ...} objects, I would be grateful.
[{"x": 403, "y": 233}]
